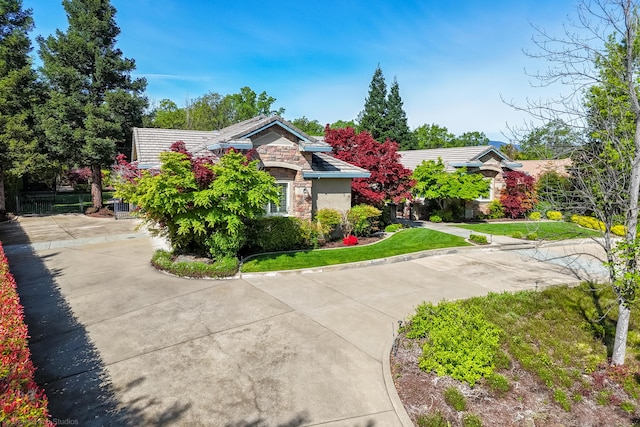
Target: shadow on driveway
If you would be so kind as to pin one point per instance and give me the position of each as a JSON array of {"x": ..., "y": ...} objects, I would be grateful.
[{"x": 67, "y": 363}]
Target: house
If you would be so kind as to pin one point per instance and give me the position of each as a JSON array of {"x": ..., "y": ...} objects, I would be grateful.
[
  {"x": 486, "y": 160},
  {"x": 309, "y": 177},
  {"x": 535, "y": 168}
]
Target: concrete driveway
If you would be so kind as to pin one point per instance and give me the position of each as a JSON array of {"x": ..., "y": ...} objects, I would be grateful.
[{"x": 118, "y": 343}]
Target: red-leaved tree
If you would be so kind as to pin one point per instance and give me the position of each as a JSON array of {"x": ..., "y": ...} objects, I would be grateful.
[
  {"x": 389, "y": 181},
  {"x": 519, "y": 195}
]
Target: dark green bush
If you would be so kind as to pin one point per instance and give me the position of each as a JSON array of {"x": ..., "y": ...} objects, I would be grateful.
[{"x": 278, "y": 233}]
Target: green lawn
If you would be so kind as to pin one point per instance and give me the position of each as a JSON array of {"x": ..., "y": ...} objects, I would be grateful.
[
  {"x": 545, "y": 230},
  {"x": 402, "y": 242}
]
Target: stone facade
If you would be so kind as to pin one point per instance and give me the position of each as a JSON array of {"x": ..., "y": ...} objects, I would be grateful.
[{"x": 284, "y": 160}]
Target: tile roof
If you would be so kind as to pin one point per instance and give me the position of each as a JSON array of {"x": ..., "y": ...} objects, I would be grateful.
[
  {"x": 148, "y": 143},
  {"x": 326, "y": 166},
  {"x": 452, "y": 157},
  {"x": 535, "y": 168}
]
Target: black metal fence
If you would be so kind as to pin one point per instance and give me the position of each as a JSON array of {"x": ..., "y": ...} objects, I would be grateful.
[{"x": 49, "y": 202}]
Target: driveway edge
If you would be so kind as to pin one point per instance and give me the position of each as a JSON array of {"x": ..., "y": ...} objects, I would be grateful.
[{"x": 398, "y": 407}]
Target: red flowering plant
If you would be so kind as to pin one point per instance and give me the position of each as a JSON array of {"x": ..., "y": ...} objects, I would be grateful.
[
  {"x": 22, "y": 402},
  {"x": 350, "y": 240}
]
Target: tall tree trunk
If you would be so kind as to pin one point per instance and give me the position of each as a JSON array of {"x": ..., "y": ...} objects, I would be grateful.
[
  {"x": 3, "y": 206},
  {"x": 622, "y": 329},
  {"x": 96, "y": 186}
]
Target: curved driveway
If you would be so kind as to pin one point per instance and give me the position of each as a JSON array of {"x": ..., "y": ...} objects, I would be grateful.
[{"x": 118, "y": 343}]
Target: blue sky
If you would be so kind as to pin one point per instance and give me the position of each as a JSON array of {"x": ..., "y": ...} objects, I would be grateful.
[{"x": 453, "y": 60}]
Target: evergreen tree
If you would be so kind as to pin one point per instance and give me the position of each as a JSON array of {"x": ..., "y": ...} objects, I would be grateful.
[
  {"x": 18, "y": 95},
  {"x": 92, "y": 101},
  {"x": 373, "y": 118},
  {"x": 398, "y": 129}
]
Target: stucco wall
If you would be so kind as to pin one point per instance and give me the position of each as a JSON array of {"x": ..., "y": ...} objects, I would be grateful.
[{"x": 332, "y": 194}]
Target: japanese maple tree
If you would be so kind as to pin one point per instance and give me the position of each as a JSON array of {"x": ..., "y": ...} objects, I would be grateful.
[
  {"x": 389, "y": 181},
  {"x": 518, "y": 196}
]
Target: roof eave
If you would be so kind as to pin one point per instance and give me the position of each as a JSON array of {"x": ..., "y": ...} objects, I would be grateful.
[
  {"x": 319, "y": 175},
  {"x": 315, "y": 149},
  {"x": 233, "y": 144}
]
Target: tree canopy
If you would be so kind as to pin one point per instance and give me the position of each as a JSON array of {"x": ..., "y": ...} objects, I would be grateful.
[
  {"x": 433, "y": 182},
  {"x": 200, "y": 205},
  {"x": 213, "y": 111},
  {"x": 435, "y": 136},
  {"x": 389, "y": 181},
  {"x": 383, "y": 116},
  {"x": 19, "y": 95},
  {"x": 92, "y": 101}
]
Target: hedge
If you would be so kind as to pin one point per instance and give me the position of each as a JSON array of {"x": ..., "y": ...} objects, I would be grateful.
[{"x": 22, "y": 402}]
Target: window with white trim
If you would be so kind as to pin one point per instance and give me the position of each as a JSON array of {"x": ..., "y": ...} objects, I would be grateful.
[
  {"x": 282, "y": 207},
  {"x": 488, "y": 195}
]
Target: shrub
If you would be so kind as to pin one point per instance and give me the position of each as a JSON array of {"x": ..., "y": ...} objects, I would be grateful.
[
  {"x": 460, "y": 342},
  {"x": 499, "y": 384},
  {"x": 435, "y": 218},
  {"x": 447, "y": 215},
  {"x": 495, "y": 210},
  {"x": 478, "y": 239},
  {"x": 517, "y": 234},
  {"x": 619, "y": 230},
  {"x": 392, "y": 228},
  {"x": 471, "y": 420},
  {"x": 22, "y": 402},
  {"x": 554, "y": 215},
  {"x": 535, "y": 216},
  {"x": 278, "y": 233},
  {"x": 518, "y": 196},
  {"x": 433, "y": 419},
  {"x": 455, "y": 399},
  {"x": 362, "y": 219},
  {"x": 221, "y": 267},
  {"x": 532, "y": 236},
  {"x": 328, "y": 220},
  {"x": 350, "y": 241},
  {"x": 588, "y": 222}
]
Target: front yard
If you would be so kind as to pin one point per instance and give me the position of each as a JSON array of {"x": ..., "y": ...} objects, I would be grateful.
[{"x": 400, "y": 243}]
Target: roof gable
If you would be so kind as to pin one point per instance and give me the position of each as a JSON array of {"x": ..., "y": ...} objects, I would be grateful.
[
  {"x": 456, "y": 157},
  {"x": 148, "y": 143}
]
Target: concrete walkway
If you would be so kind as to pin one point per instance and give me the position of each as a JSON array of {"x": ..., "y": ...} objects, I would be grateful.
[{"x": 118, "y": 343}]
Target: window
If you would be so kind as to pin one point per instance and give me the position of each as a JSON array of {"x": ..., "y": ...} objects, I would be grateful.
[
  {"x": 282, "y": 208},
  {"x": 488, "y": 195}
]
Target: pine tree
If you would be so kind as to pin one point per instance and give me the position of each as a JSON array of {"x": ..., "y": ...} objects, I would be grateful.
[
  {"x": 18, "y": 95},
  {"x": 373, "y": 118},
  {"x": 398, "y": 129},
  {"x": 92, "y": 100}
]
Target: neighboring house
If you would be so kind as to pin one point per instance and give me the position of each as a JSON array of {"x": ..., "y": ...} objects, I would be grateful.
[
  {"x": 486, "y": 160},
  {"x": 309, "y": 177},
  {"x": 535, "y": 168}
]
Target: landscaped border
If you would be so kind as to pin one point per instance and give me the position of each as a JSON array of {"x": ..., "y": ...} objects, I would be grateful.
[{"x": 22, "y": 402}]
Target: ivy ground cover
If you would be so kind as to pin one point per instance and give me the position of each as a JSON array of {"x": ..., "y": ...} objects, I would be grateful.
[
  {"x": 22, "y": 402},
  {"x": 400, "y": 243}
]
